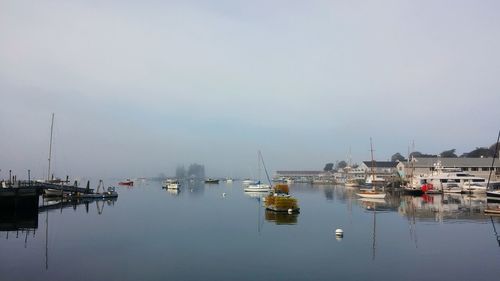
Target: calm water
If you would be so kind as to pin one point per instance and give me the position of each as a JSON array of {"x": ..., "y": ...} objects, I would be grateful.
[{"x": 197, "y": 234}]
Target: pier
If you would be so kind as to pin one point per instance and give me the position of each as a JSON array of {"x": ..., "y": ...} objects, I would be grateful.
[{"x": 24, "y": 195}]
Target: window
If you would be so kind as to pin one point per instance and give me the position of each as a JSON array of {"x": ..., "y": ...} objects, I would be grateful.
[
  {"x": 473, "y": 169},
  {"x": 485, "y": 169}
]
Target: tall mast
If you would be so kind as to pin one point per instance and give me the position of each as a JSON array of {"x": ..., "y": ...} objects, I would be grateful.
[
  {"x": 350, "y": 157},
  {"x": 50, "y": 145},
  {"x": 373, "y": 161},
  {"x": 258, "y": 162},
  {"x": 493, "y": 161}
]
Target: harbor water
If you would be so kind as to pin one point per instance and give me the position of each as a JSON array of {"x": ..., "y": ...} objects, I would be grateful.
[{"x": 219, "y": 232}]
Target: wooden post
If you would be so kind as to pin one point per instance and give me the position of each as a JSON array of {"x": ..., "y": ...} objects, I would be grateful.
[{"x": 29, "y": 177}]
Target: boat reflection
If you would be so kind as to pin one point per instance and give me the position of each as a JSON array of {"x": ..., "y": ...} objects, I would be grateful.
[
  {"x": 443, "y": 207},
  {"x": 281, "y": 218},
  {"x": 173, "y": 192}
]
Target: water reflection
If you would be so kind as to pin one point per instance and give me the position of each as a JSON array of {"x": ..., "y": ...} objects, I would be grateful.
[
  {"x": 281, "y": 218},
  {"x": 443, "y": 207}
]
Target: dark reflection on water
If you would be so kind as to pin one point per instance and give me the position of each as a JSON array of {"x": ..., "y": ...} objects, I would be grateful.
[{"x": 218, "y": 232}]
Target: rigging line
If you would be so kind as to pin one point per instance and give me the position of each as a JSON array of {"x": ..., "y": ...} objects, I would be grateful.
[
  {"x": 492, "y": 164},
  {"x": 495, "y": 231},
  {"x": 265, "y": 169},
  {"x": 493, "y": 160}
]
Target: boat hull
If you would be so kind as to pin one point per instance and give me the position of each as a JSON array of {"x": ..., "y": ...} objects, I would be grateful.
[
  {"x": 257, "y": 189},
  {"x": 493, "y": 194},
  {"x": 371, "y": 194},
  {"x": 55, "y": 193},
  {"x": 413, "y": 191},
  {"x": 173, "y": 186}
]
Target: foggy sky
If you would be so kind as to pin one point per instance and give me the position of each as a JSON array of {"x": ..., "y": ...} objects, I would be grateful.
[{"x": 139, "y": 88}]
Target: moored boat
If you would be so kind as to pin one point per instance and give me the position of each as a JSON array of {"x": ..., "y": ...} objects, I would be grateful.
[
  {"x": 50, "y": 192},
  {"x": 173, "y": 185},
  {"x": 259, "y": 187},
  {"x": 127, "y": 182},
  {"x": 372, "y": 180},
  {"x": 212, "y": 181},
  {"x": 280, "y": 201},
  {"x": 371, "y": 193}
]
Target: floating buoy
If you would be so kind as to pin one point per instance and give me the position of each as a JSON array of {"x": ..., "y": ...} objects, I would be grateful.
[
  {"x": 224, "y": 194},
  {"x": 339, "y": 232},
  {"x": 290, "y": 211}
]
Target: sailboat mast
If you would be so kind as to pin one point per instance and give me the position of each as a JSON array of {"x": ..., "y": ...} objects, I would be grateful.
[
  {"x": 373, "y": 161},
  {"x": 50, "y": 144},
  {"x": 258, "y": 166},
  {"x": 493, "y": 160}
]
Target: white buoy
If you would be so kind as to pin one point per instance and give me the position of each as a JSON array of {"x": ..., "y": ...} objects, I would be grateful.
[
  {"x": 290, "y": 211},
  {"x": 224, "y": 194},
  {"x": 339, "y": 232}
]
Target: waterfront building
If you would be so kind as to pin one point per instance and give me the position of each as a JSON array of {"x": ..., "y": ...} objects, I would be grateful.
[
  {"x": 303, "y": 176},
  {"x": 382, "y": 169},
  {"x": 475, "y": 166}
]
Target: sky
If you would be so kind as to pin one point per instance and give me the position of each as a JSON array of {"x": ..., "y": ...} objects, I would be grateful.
[{"x": 140, "y": 87}]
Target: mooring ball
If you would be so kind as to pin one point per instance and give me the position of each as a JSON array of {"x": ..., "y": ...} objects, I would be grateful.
[
  {"x": 339, "y": 232},
  {"x": 290, "y": 211}
]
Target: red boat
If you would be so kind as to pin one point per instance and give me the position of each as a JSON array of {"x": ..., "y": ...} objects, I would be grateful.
[{"x": 127, "y": 182}]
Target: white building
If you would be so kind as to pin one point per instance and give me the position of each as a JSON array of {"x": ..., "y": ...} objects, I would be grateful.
[{"x": 475, "y": 166}]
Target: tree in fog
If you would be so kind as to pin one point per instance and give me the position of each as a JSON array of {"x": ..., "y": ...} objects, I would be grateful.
[
  {"x": 479, "y": 152},
  {"x": 449, "y": 153},
  {"x": 492, "y": 149},
  {"x": 180, "y": 172},
  {"x": 418, "y": 154},
  {"x": 196, "y": 171},
  {"x": 397, "y": 157},
  {"x": 328, "y": 167},
  {"x": 342, "y": 164}
]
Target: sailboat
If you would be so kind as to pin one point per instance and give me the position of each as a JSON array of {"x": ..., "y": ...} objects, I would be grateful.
[
  {"x": 258, "y": 186},
  {"x": 493, "y": 194},
  {"x": 371, "y": 193},
  {"x": 50, "y": 191},
  {"x": 413, "y": 187}
]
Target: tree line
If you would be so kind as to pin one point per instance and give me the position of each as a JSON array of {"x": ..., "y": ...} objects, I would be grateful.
[{"x": 478, "y": 152}]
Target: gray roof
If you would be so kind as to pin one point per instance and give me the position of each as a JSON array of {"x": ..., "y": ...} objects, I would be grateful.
[
  {"x": 453, "y": 162},
  {"x": 299, "y": 172},
  {"x": 381, "y": 164}
]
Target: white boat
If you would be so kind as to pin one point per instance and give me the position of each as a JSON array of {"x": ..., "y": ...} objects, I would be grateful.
[
  {"x": 452, "y": 180},
  {"x": 351, "y": 183},
  {"x": 371, "y": 193},
  {"x": 372, "y": 180},
  {"x": 55, "y": 192},
  {"x": 258, "y": 188},
  {"x": 248, "y": 182},
  {"x": 173, "y": 185}
]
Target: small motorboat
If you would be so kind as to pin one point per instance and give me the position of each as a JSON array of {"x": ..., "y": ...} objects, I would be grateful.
[
  {"x": 212, "y": 181},
  {"x": 126, "y": 182}
]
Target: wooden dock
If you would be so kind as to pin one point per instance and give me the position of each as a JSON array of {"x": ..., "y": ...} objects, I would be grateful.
[{"x": 32, "y": 188}]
